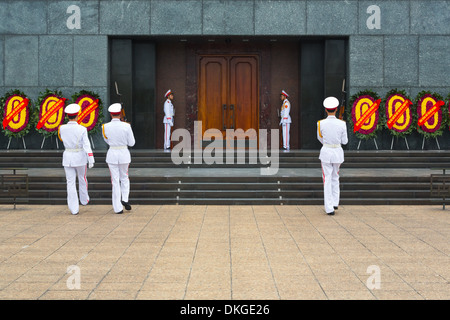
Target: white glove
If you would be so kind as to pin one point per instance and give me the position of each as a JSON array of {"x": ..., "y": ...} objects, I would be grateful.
[{"x": 91, "y": 161}]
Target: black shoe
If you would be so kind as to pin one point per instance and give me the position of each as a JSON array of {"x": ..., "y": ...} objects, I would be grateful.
[
  {"x": 335, "y": 208},
  {"x": 126, "y": 205},
  {"x": 330, "y": 213},
  {"x": 120, "y": 212}
]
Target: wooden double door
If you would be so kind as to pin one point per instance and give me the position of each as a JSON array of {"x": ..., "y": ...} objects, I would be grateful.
[{"x": 228, "y": 95}]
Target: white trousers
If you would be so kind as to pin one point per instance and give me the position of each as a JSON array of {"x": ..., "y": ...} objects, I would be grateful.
[
  {"x": 120, "y": 184},
  {"x": 331, "y": 192},
  {"x": 72, "y": 197},
  {"x": 286, "y": 128},
  {"x": 167, "y": 135}
]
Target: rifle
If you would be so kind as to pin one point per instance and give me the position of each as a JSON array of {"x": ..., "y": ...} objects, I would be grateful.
[
  {"x": 342, "y": 108},
  {"x": 122, "y": 112}
]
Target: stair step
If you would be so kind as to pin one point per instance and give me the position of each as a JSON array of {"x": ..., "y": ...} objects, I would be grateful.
[
  {"x": 375, "y": 186},
  {"x": 242, "y": 201}
]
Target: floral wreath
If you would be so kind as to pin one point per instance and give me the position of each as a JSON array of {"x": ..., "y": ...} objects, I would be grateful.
[
  {"x": 49, "y": 129},
  {"x": 448, "y": 111},
  {"x": 393, "y": 100},
  {"x": 434, "y": 126},
  {"x": 87, "y": 99},
  {"x": 368, "y": 130},
  {"x": 22, "y": 126}
]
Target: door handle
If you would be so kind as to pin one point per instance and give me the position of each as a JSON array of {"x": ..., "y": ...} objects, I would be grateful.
[
  {"x": 224, "y": 111},
  {"x": 232, "y": 115}
]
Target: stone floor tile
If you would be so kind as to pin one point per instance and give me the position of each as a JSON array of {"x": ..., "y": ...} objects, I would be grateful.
[
  {"x": 150, "y": 285},
  {"x": 24, "y": 291},
  {"x": 206, "y": 294},
  {"x": 349, "y": 295},
  {"x": 435, "y": 295},
  {"x": 161, "y": 294},
  {"x": 397, "y": 295},
  {"x": 309, "y": 294},
  {"x": 255, "y": 295},
  {"x": 112, "y": 295},
  {"x": 65, "y": 295},
  {"x": 234, "y": 252},
  {"x": 85, "y": 285},
  {"x": 119, "y": 286}
]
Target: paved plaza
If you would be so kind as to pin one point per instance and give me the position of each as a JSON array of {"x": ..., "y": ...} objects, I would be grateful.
[{"x": 176, "y": 252}]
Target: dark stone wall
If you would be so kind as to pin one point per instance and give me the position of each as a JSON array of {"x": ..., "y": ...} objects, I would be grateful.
[{"x": 401, "y": 44}]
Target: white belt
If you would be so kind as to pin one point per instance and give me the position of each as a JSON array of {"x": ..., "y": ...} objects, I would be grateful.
[
  {"x": 332, "y": 145},
  {"x": 74, "y": 150},
  {"x": 118, "y": 147}
]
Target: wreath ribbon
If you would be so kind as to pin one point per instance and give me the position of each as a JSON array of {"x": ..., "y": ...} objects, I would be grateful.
[
  {"x": 366, "y": 115},
  {"x": 88, "y": 110},
  {"x": 430, "y": 113},
  {"x": 58, "y": 105},
  {"x": 400, "y": 111}
]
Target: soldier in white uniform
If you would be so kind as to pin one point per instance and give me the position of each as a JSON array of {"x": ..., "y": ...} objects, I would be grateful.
[
  {"x": 332, "y": 133},
  {"x": 168, "y": 118},
  {"x": 285, "y": 120},
  {"x": 119, "y": 136},
  {"x": 76, "y": 155}
]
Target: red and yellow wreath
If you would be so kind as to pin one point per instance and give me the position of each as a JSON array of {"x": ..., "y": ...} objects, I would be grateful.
[
  {"x": 399, "y": 113},
  {"x": 51, "y": 112},
  {"x": 91, "y": 114},
  {"x": 15, "y": 106},
  {"x": 365, "y": 114},
  {"x": 430, "y": 114}
]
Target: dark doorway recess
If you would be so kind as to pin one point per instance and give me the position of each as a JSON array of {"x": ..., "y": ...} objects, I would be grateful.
[
  {"x": 309, "y": 69},
  {"x": 323, "y": 67},
  {"x": 133, "y": 68}
]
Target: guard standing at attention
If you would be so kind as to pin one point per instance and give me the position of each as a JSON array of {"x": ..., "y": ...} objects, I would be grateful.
[
  {"x": 76, "y": 155},
  {"x": 285, "y": 120},
  {"x": 169, "y": 112},
  {"x": 332, "y": 133},
  {"x": 119, "y": 136}
]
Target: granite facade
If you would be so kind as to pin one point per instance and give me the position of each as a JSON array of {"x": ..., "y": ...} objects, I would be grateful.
[{"x": 403, "y": 44}]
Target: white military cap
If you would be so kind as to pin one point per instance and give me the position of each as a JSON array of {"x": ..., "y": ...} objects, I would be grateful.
[
  {"x": 168, "y": 93},
  {"x": 331, "y": 103},
  {"x": 72, "y": 109},
  {"x": 284, "y": 93},
  {"x": 115, "y": 108}
]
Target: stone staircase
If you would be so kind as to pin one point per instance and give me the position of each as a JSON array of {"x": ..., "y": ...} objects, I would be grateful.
[{"x": 367, "y": 178}]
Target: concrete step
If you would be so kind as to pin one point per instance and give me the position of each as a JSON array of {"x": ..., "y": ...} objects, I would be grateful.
[
  {"x": 242, "y": 201},
  {"x": 369, "y": 187}
]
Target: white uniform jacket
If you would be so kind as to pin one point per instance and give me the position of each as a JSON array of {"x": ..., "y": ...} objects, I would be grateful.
[
  {"x": 78, "y": 150},
  {"x": 119, "y": 136},
  {"x": 284, "y": 113},
  {"x": 332, "y": 133},
  {"x": 168, "y": 112}
]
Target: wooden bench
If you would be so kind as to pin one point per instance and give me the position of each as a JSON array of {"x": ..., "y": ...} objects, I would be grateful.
[
  {"x": 13, "y": 186},
  {"x": 440, "y": 184}
]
